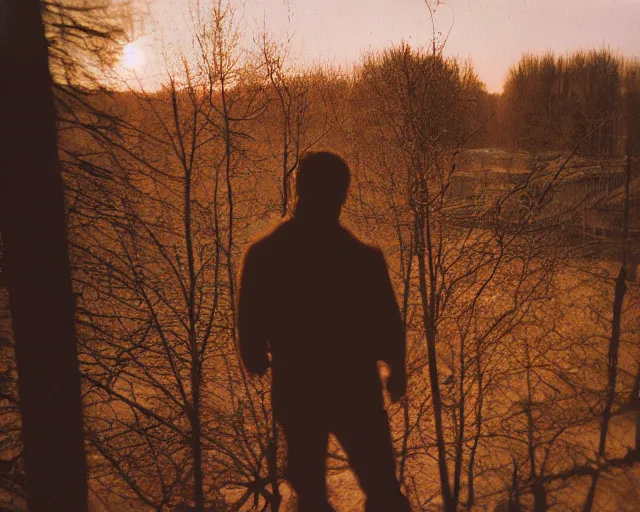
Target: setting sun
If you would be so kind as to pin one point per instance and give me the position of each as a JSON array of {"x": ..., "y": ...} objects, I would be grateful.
[{"x": 133, "y": 56}]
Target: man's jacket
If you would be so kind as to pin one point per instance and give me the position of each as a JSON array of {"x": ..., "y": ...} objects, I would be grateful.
[{"x": 322, "y": 304}]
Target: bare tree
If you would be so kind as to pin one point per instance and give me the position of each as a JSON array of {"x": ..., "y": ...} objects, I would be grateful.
[
  {"x": 632, "y": 108},
  {"x": 301, "y": 106}
]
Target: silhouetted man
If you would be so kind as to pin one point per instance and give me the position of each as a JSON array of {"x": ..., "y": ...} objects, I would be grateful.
[{"x": 320, "y": 302}]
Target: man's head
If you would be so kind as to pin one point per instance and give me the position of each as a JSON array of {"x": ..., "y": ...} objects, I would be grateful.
[{"x": 322, "y": 184}]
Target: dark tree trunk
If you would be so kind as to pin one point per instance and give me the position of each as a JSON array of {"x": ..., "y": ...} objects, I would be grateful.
[
  {"x": 427, "y": 295},
  {"x": 36, "y": 263}
]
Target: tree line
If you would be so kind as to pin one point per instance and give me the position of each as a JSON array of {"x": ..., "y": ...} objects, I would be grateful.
[{"x": 523, "y": 348}]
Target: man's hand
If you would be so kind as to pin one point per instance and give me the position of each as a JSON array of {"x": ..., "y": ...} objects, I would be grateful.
[
  {"x": 397, "y": 386},
  {"x": 257, "y": 367}
]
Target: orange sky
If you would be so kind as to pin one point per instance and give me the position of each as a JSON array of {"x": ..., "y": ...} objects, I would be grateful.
[{"x": 492, "y": 33}]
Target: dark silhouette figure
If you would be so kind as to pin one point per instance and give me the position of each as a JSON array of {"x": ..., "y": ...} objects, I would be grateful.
[{"x": 320, "y": 302}]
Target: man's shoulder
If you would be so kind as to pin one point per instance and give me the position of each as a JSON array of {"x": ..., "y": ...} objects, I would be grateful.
[
  {"x": 270, "y": 240},
  {"x": 364, "y": 249}
]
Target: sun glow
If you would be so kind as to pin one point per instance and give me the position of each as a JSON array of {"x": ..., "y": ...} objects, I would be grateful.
[{"x": 133, "y": 56}]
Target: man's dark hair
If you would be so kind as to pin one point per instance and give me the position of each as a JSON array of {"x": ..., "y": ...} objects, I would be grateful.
[{"x": 322, "y": 180}]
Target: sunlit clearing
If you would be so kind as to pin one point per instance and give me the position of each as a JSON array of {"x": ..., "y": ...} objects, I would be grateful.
[{"x": 133, "y": 56}]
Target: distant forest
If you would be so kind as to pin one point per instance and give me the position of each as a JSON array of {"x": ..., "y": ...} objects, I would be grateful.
[{"x": 510, "y": 223}]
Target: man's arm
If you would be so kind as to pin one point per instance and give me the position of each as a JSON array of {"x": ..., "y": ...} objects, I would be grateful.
[
  {"x": 252, "y": 336},
  {"x": 391, "y": 335}
]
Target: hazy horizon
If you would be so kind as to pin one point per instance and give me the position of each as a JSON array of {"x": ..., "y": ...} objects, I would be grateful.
[{"x": 493, "y": 35}]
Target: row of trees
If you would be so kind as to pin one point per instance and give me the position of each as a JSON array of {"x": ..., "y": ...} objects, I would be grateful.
[
  {"x": 550, "y": 102},
  {"x": 522, "y": 354}
]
